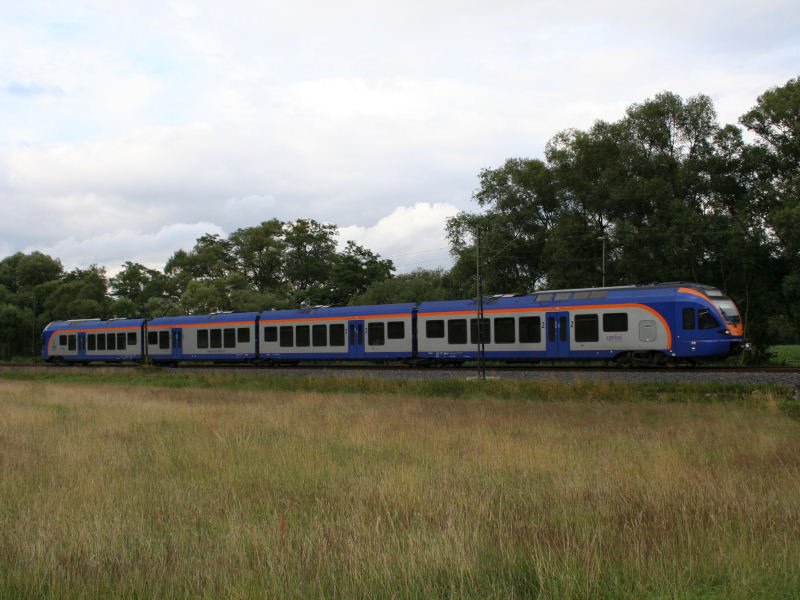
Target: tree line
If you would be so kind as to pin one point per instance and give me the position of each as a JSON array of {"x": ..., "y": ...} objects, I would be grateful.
[{"x": 666, "y": 193}]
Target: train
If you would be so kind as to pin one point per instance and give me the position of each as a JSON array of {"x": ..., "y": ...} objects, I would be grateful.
[{"x": 655, "y": 324}]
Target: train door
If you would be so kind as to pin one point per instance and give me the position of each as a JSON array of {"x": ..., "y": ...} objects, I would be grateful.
[
  {"x": 355, "y": 339},
  {"x": 81, "y": 345},
  {"x": 558, "y": 334},
  {"x": 177, "y": 343}
]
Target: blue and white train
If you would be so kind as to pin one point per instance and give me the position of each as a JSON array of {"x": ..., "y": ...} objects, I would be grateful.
[{"x": 646, "y": 325}]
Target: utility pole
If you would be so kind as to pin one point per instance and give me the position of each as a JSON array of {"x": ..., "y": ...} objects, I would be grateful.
[
  {"x": 603, "y": 258},
  {"x": 33, "y": 327},
  {"x": 479, "y": 324}
]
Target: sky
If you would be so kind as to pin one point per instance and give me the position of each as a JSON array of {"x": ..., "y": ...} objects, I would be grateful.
[{"x": 130, "y": 128}]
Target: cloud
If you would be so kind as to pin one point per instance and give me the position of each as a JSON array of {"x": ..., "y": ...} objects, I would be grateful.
[
  {"x": 412, "y": 236},
  {"x": 112, "y": 249},
  {"x": 32, "y": 89},
  {"x": 138, "y": 116}
]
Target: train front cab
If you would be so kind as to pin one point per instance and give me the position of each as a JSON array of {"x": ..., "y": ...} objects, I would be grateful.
[
  {"x": 707, "y": 324},
  {"x": 93, "y": 340}
]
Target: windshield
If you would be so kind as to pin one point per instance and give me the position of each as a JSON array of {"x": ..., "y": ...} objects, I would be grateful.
[{"x": 729, "y": 311}]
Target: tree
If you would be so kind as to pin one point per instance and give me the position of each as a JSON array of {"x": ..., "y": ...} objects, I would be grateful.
[
  {"x": 417, "y": 286},
  {"x": 775, "y": 119},
  {"x": 258, "y": 252},
  {"x": 354, "y": 270},
  {"x": 138, "y": 284},
  {"x": 82, "y": 293},
  {"x": 309, "y": 257}
]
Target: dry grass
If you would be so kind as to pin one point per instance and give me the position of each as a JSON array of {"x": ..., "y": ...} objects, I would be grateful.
[{"x": 148, "y": 492}]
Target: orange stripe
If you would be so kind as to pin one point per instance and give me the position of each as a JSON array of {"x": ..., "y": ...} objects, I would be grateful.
[
  {"x": 117, "y": 329},
  {"x": 209, "y": 325},
  {"x": 353, "y": 318}
]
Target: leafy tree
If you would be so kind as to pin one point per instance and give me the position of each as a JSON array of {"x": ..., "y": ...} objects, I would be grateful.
[
  {"x": 258, "y": 252},
  {"x": 82, "y": 293},
  {"x": 417, "y": 286},
  {"x": 775, "y": 119},
  {"x": 309, "y": 256},
  {"x": 138, "y": 284},
  {"x": 354, "y": 270}
]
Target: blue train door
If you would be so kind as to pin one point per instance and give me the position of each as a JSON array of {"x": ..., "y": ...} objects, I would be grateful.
[
  {"x": 177, "y": 343},
  {"x": 558, "y": 334},
  {"x": 81, "y": 345},
  {"x": 355, "y": 339}
]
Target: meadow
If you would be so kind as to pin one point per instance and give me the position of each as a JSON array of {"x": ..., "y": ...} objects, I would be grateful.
[{"x": 233, "y": 488}]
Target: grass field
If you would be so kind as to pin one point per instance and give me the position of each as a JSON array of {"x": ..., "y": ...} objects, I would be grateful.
[
  {"x": 118, "y": 490},
  {"x": 788, "y": 355}
]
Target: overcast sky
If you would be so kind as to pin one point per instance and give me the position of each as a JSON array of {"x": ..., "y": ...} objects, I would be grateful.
[{"x": 130, "y": 128}]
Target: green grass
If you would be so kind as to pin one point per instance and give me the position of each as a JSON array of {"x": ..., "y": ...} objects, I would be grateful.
[
  {"x": 225, "y": 486},
  {"x": 788, "y": 355}
]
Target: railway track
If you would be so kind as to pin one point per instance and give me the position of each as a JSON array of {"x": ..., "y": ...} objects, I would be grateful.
[{"x": 745, "y": 375}]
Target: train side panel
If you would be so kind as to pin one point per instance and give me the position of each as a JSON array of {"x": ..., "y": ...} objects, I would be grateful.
[
  {"x": 217, "y": 337},
  {"x": 373, "y": 333}
]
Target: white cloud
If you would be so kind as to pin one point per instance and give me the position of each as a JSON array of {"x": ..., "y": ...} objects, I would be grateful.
[
  {"x": 112, "y": 249},
  {"x": 134, "y": 115},
  {"x": 412, "y": 236}
]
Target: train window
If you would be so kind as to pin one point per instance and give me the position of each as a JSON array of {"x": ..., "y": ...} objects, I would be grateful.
[
  {"x": 457, "y": 331},
  {"x": 287, "y": 336},
  {"x": 121, "y": 341},
  {"x": 101, "y": 341},
  {"x": 337, "y": 335},
  {"x": 375, "y": 334},
  {"x": 319, "y": 335},
  {"x": 243, "y": 335},
  {"x": 688, "y": 318},
  {"x": 544, "y": 297},
  {"x": 530, "y": 330},
  {"x": 580, "y": 295},
  {"x": 615, "y": 322},
  {"x": 163, "y": 340},
  {"x": 486, "y": 331},
  {"x": 563, "y": 296},
  {"x": 396, "y": 330},
  {"x": 586, "y": 328},
  {"x": 71, "y": 342},
  {"x": 152, "y": 339},
  {"x": 216, "y": 338},
  {"x": 596, "y": 295},
  {"x": 562, "y": 329},
  {"x": 303, "y": 336},
  {"x": 131, "y": 338},
  {"x": 202, "y": 339},
  {"x": 434, "y": 329},
  {"x": 229, "y": 337},
  {"x": 111, "y": 341},
  {"x": 551, "y": 329},
  {"x": 62, "y": 340},
  {"x": 270, "y": 334},
  {"x": 91, "y": 344},
  {"x": 705, "y": 320},
  {"x": 504, "y": 331}
]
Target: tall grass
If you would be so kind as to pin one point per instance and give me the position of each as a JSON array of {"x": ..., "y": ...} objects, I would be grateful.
[{"x": 130, "y": 491}]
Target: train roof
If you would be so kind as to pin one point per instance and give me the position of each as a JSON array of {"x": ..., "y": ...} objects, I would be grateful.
[
  {"x": 651, "y": 288},
  {"x": 568, "y": 297},
  {"x": 332, "y": 312},
  {"x": 220, "y": 318},
  {"x": 88, "y": 324}
]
